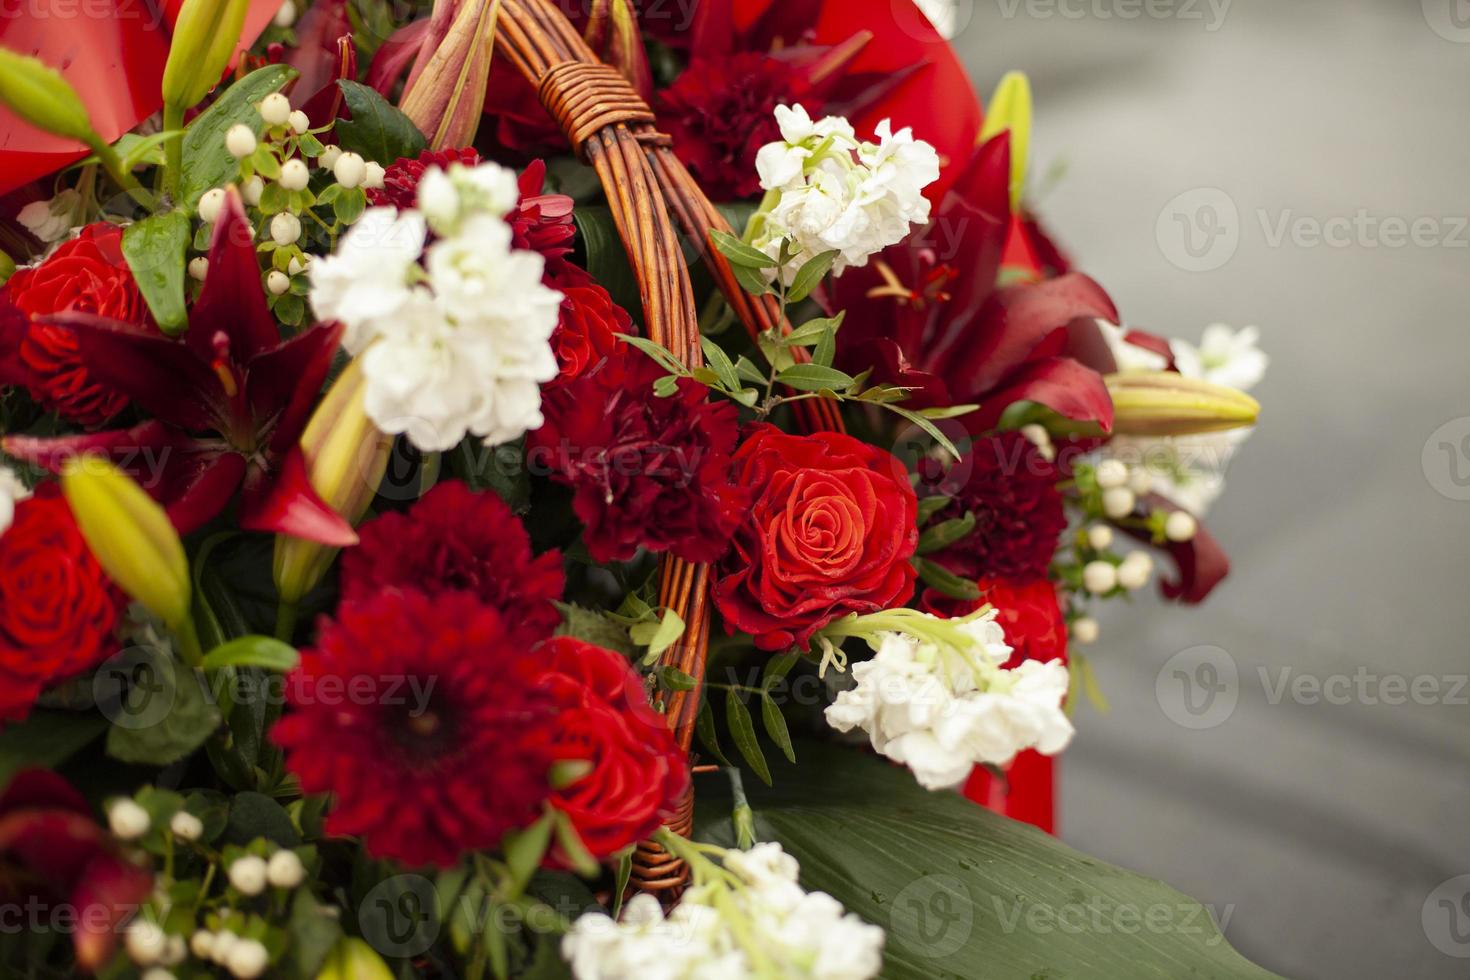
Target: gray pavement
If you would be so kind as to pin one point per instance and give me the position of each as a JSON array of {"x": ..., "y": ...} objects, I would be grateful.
[{"x": 1322, "y": 824}]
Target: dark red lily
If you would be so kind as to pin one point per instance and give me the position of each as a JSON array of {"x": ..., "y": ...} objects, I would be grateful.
[
  {"x": 53, "y": 852},
  {"x": 229, "y": 401}
]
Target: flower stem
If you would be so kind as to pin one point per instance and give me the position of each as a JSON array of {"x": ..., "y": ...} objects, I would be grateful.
[
  {"x": 173, "y": 149},
  {"x": 286, "y": 614},
  {"x": 112, "y": 163}
]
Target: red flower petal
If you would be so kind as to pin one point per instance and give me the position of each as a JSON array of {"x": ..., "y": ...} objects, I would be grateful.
[
  {"x": 232, "y": 301},
  {"x": 289, "y": 505}
]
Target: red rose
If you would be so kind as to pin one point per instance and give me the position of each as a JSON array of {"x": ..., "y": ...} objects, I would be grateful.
[
  {"x": 590, "y": 321},
  {"x": 830, "y": 532},
  {"x": 638, "y": 774},
  {"x": 58, "y": 608},
  {"x": 1028, "y": 612},
  {"x": 87, "y": 274}
]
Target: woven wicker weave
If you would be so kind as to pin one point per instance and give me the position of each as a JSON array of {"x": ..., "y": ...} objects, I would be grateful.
[{"x": 616, "y": 133}]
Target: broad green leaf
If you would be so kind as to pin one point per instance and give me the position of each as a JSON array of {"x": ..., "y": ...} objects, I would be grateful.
[
  {"x": 154, "y": 249},
  {"x": 209, "y": 164},
  {"x": 747, "y": 370},
  {"x": 165, "y": 713},
  {"x": 742, "y": 729},
  {"x": 814, "y": 377},
  {"x": 826, "y": 349},
  {"x": 314, "y": 930},
  {"x": 965, "y": 893},
  {"x": 937, "y": 577},
  {"x": 946, "y": 533},
  {"x": 605, "y": 257},
  {"x": 350, "y": 205},
  {"x": 810, "y": 275},
  {"x": 775, "y": 725},
  {"x": 665, "y": 634},
  {"x": 377, "y": 131},
  {"x": 253, "y": 651},
  {"x": 740, "y": 254},
  {"x": 595, "y": 628},
  {"x": 45, "y": 740},
  {"x": 254, "y": 815}
]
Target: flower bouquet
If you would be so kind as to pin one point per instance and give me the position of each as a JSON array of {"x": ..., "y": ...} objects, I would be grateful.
[{"x": 434, "y": 437}]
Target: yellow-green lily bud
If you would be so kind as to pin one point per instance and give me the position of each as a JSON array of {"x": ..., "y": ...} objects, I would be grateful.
[
  {"x": 354, "y": 959},
  {"x": 1009, "y": 109},
  {"x": 446, "y": 99},
  {"x": 7, "y": 267},
  {"x": 346, "y": 456},
  {"x": 131, "y": 536},
  {"x": 38, "y": 94},
  {"x": 1161, "y": 403},
  {"x": 204, "y": 39}
]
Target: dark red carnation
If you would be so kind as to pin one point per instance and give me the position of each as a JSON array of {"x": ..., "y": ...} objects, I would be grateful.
[
  {"x": 1027, "y": 611},
  {"x": 830, "y": 532},
  {"x": 590, "y": 321},
  {"x": 58, "y": 609},
  {"x": 720, "y": 112},
  {"x": 87, "y": 275},
  {"x": 419, "y": 716},
  {"x": 637, "y": 775},
  {"x": 401, "y": 179},
  {"x": 1012, "y": 490},
  {"x": 648, "y": 472},
  {"x": 457, "y": 540}
]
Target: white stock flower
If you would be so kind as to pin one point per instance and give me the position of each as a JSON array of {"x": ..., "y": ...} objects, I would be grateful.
[
  {"x": 1225, "y": 356},
  {"x": 366, "y": 281},
  {"x": 12, "y": 492},
  {"x": 447, "y": 197},
  {"x": 941, "y": 711},
  {"x": 52, "y": 220},
  {"x": 1129, "y": 356}
]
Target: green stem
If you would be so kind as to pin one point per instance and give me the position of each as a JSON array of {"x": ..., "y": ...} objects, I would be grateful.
[
  {"x": 173, "y": 149},
  {"x": 112, "y": 163},
  {"x": 286, "y": 614},
  {"x": 189, "y": 647}
]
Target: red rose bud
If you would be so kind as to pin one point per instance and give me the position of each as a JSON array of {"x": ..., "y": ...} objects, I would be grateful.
[
  {"x": 445, "y": 95},
  {"x": 1162, "y": 403}
]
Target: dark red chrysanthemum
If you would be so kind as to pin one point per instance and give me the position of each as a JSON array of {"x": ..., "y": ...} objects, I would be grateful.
[
  {"x": 420, "y": 717},
  {"x": 1012, "y": 490},
  {"x": 401, "y": 179},
  {"x": 58, "y": 608},
  {"x": 720, "y": 112},
  {"x": 648, "y": 472},
  {"x": 86, "y": 275},
  {"x": 457, "y": 540}
]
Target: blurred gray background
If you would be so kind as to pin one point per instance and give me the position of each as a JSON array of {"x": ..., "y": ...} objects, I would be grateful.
[{"x": 1329, "y": 830}]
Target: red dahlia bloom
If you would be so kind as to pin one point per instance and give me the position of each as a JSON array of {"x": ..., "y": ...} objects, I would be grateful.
[
  {"x": 58, "y": 609},
  {"x": 420, "y": 717},
  {"x": 88, "y": 275},
  {"x": 637, "y": 774},
  {"x": 454, "y": 539},
  {"x": 648, "y": 472},
  {"x": 1011, "y": 489},
  {"x": 831, "y": 529},
  {"x": 401, "y": 179}
]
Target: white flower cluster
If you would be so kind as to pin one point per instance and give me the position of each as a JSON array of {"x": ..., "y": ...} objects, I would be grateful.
[
  {"x": 941, "y": 710},
  {"x": 53, "y": 219},
  {"x": 12, "y": 492},
  {"x": 826, "y": 190},
  {"x": 460, "y": 343},
  {"x": 762, "y": 923}
]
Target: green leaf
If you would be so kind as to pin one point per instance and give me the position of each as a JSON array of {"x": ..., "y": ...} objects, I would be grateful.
[
  {"x": 812, "y": 331},
  {"x": 605, "y": 258},
  {"x": 723, "y": 367},
  {"x": 657, "y": 351},
  {"x": 595, "y": 628},
  {"x": 740, "y": 254},
  {"x": 747, "y": 371},
  {"x": 165, "y": 713},
  {"x": 826, "y": 350},
  {"x": 658, "y": 636},
  {"x": 937, "y": 577},
  {"x": 255, "y": 815},
  {"x": 253, "y": 651},
  {"x": 929, "y": 506},
  {"x": 810, "y": 275},
  {"x": 775, "y": 725},
  {"x": 349, "y": 205},
  {"x": 572, "y": 846},
  {"x": 45, "y": 740},
  {"x": 751, "y": 280},
  {"x": 777, "y": 668},
  {"x": 499, "y": 468},
  {"x": 944, "y": 534},
  {"x": 742, "y": 729},
  {"x": 709, "y": 737},
  {"x": 207, "y": 163},
  {"x": 927, "y": 426},
  {"x": 524, "y": 850},
  {"x": 377, "y": 130},
  {"x": 314, "y": 930},
  {"x": 966, "y": 893},
  {"x": 674, "y": 679},
  {"x": 154, "y": 248},
  {"x": 814, "y": 377},
  {"x": 948, "y": 411}
]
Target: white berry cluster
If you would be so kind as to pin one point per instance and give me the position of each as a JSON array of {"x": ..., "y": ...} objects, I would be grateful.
[
  {"x": 454, "y": 338},
  {"x": 826, "y": 190},
  {"x": 749, "y": 918}
]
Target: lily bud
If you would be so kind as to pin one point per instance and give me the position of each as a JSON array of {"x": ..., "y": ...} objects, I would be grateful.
[
  {"x": 1161, "y": 403},
  {"x": 354, "y": 959},
  {"x": 204, "y": 40},
  {"x": 445, "y": 96},
  {"x": 7, "y": 267},
  {"x": 38, "y": 94},
  {"x": 131, "y": 536},
  {"x": 346, "y": 456},
  {"x": 612, "y": 32},
  {"x": 1010, "y": 110}
]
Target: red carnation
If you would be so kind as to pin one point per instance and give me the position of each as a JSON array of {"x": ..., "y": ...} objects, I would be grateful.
[
  {"x": 830, "y": 532},
  {"x": 1012, "y": 491},
  {"x": 1027, "y": 611},
  {"x": 58, "y": 609},
  {"x": 419, "y": 716},
  {"x": 648, "y": 472},
  {"x": 720, "y": 112},
  {"x": 457, "y": 540},
  {"x": 401, "y": 178},
  {"x": 87, "y": 275},
  {"x": 637, "y": 774}
]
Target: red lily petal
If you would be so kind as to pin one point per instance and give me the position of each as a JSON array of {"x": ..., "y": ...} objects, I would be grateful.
[
  {"x": 1155, "y": 343},
  {"x": 1059, "y": 383},
  {"x": 395, "y": 55},
  {"x": 1201, "y": 561},
  {"x": 41, "y": 788},
  {"x": 54, "y": 843},
  {"x": 162, "y": 376},
  {"x": 109, "y": 892},
  {"x": 714, "y": 30},
  {"x": 289, "y": 505},
  {"x": 232, "y": 301},
  {"x": 315, "y": 55},
  {"x": 200, "y": 485},
  {"x": 325, "y": 104},
  {"x": 976, "y": 212},
  {"x": 289, "y": 378}
]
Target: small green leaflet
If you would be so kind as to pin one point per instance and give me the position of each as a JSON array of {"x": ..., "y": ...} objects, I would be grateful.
[
  {"x": 742, "y": 729},
  {"x": 938, "y": 577},
  {"x": 815, "y": 377},
  {"x": 740, "y": 254},
  {"x": 775, "y": 725},
  {"x": 810, "y": 276},
  {"x": 942, "y": 535},
  {"x": 154, "y": 249},
  {"x": 253, "y": 651}
]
